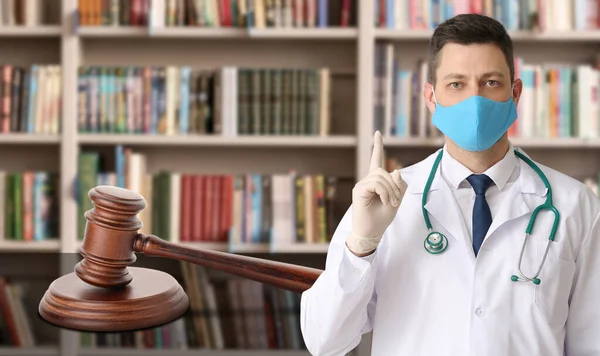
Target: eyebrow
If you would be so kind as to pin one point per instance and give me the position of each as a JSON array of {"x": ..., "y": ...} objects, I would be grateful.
[{"x": 485, "y": 75}]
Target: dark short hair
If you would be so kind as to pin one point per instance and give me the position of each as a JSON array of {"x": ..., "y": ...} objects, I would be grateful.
[{"x": 468, "y": 29}]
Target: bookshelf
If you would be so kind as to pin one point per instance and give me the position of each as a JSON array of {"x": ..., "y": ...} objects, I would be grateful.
[{"x": 63, "y": 39}]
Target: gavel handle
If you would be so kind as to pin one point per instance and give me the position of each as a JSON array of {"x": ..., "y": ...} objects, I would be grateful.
[{"x": 279, "y": 274}]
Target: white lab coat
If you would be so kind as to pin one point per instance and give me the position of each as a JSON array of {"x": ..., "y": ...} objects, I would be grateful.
[{"x": 453, "y": 304}]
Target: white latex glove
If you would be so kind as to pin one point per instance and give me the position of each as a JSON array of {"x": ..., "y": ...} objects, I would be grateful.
[{"x": 375, "y": 201}]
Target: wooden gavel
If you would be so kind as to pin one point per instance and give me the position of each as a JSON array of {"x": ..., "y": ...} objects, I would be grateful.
[{"x": 104, "y": 294}]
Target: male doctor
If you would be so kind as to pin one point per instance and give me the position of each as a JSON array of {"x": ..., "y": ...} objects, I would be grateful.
[{"x": 461, "y": 291}]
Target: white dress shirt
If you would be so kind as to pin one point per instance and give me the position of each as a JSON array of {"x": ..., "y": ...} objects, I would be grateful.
[{"x": 504, "y": 174}]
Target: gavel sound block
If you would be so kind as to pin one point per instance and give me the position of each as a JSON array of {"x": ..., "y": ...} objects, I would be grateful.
[{"x": 103, "y": 294}]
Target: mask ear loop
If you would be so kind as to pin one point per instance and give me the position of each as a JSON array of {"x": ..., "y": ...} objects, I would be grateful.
[{"x": 433, "y": 91}]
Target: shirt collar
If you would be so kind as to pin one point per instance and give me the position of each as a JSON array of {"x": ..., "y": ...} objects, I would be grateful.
[{"x": 456, "y": 173}]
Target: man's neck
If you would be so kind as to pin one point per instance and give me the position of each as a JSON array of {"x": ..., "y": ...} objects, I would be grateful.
[{"x": 479, "y": 162}]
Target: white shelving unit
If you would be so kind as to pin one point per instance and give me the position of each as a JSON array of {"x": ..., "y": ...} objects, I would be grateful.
[
  {"x": 27, "y": 139},
  {"x": 217, "y": 33},
  {"x": 210, "y": 140},
  {"x": 38, "y": 31},
  {"x": 125, "y": 352},
  {"x": 349, "y": 51},
  {"x": 30, "y": 246},
  {"x": 37, "y": 351}
]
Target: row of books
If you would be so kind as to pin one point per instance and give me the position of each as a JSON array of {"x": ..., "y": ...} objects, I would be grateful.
[
  {"x": 557, "y": 100},
  {"x": 299, "y": 13},
  {"x": 216, "y": 13},
  {"x": 399, "y": 108},
  {"x": 113, "y": 12},
  {"x": 179, "y": 100},
  {"x": 252, "y": 14},
  {"x": 21, "y": 13},
  {"x": 31, "y": 99},
  {"x": 227, "y": 313},
  {"x": 30, "y": 206},
  {"x": 15, "y": 319},
  {"x": 282, "y": 208},
  {"x": 545, "y": 15}
]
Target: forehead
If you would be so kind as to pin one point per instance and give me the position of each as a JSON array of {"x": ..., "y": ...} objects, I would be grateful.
[{"x": 471, "y": 59}]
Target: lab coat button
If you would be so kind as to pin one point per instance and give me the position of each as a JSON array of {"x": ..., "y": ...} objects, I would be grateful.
[{"x": 479, "y": 312}]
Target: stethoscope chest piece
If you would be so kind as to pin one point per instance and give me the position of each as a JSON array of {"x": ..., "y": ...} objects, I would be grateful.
[{"x": 435, "y": 242}]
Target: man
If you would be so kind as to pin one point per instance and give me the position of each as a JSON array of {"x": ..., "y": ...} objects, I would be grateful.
[{"x": 464, "y": 290}]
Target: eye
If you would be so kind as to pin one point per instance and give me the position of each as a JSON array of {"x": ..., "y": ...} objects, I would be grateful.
[
  {"x": 455, "y": 85},
  {"x": 492, "y": 83}
]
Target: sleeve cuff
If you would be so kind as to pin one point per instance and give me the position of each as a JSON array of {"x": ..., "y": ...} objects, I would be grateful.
[{"x": 353, "y": 269}]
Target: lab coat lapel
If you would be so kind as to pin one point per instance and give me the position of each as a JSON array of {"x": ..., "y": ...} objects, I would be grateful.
[
  {"x": 527, "y": 193},
  {"x": 443, "y": 207},
  {"x": 441, "y": 204},
  {"x": 513, "y": 207}
]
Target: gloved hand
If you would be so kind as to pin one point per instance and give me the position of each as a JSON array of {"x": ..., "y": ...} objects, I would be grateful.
[{"x": 375, "y": 201}]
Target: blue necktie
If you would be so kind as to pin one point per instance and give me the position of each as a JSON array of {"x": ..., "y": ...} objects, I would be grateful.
[{"x": 482, "y": 216}]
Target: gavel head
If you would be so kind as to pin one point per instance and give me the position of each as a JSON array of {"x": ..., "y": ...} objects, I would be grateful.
[
  {"x": 103, "y": 294},
  {"x": 111, "y": 228}
]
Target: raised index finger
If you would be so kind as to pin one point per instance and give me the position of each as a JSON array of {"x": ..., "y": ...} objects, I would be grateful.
[{"x": 377, "y": 157}]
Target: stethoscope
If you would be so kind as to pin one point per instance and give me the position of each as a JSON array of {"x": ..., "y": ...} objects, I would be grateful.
[{"x": 436, "y": 242}]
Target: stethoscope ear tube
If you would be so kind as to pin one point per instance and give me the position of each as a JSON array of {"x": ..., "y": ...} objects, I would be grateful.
[{"x": 522, "y": 277}]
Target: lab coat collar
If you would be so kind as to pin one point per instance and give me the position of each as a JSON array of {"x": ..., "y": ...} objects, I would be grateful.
[
  {"x": 416, "y": 176},
  {"x": 456, "y": 173}
]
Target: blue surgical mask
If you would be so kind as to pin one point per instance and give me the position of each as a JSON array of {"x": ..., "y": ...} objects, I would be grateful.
[{"x": 476, "y": 123}]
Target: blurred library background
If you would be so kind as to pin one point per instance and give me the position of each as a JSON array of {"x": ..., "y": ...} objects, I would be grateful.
[{"x": 244, "y": 124}]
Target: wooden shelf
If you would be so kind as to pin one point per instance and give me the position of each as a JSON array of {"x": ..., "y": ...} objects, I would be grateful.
[
  {"x": 199, "y": 32},
  {"x": 305, "y": 33},
  {"x": 28, "y": 139},
  {"x": 517, "y": 36},
  {"x": 36, "y": 31},
  {"x": 216, "y": 246},
  {"x": 567, "y": 142},
  {"x": 249, "y": 248},
  {"x": 207, "y": 140},
  {"x": 111, "y": 31},
  {"x": 34, "y": 351},
  {"x": 189, "y": 352},
  {"x": 252, "y": 247},
  {"x": 412, "y": 142},
  {"x": 171, "y": 32},
  {"x": 300, "y": 248},
  {"x": 526, "y": 143},
  {"x": 30, "y": 246}
]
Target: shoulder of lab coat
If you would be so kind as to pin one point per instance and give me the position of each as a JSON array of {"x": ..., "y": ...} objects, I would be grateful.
[
  {"x": 573, "y": 199},
  {"x": 583, "y": 322},
  {"x": 578, "y": 204}
]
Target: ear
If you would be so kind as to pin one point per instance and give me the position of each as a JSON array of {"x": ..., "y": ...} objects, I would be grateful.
[
  {"x": 428, "y": 95},
  {"x": 517, "y": 90}
]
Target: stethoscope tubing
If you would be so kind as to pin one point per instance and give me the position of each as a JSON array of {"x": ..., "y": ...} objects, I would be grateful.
[{"x": 440, "y": 246}]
